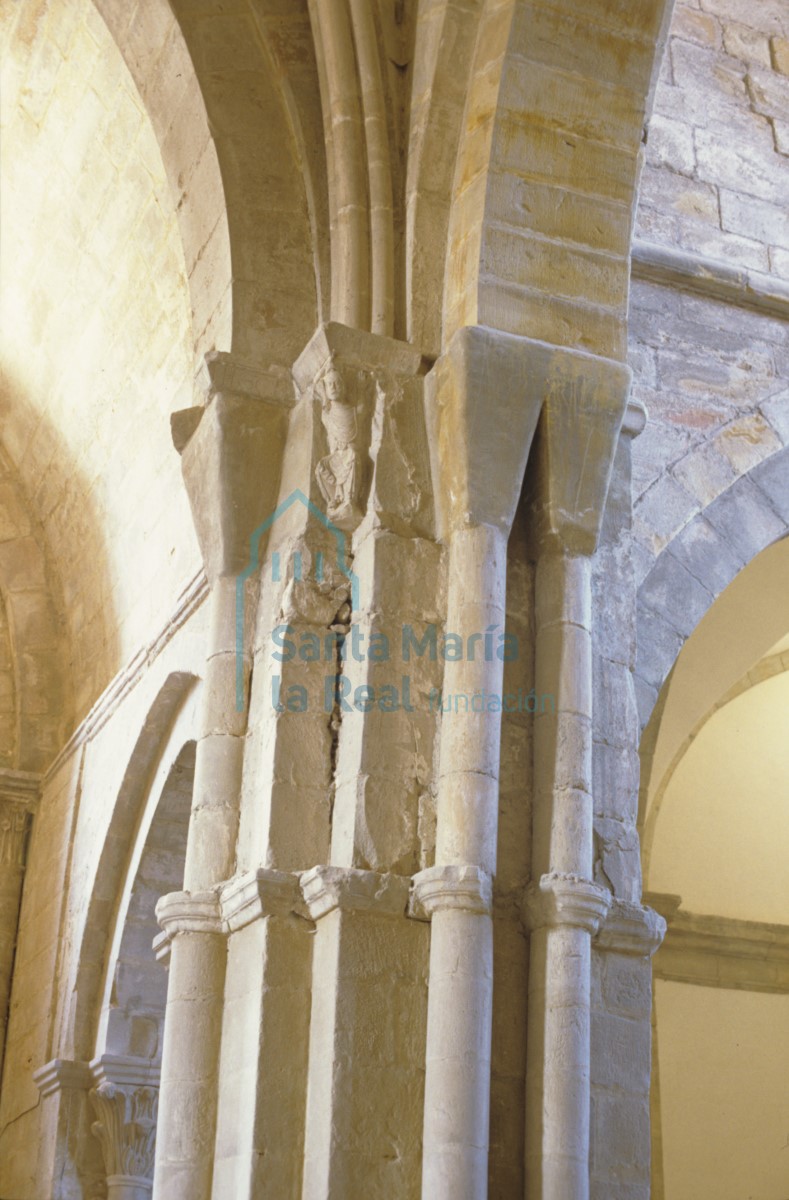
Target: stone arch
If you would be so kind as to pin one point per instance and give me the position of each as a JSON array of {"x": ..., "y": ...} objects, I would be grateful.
[
  {"x": 232, "y": 98},
  {"x": 135, "y": 985},
  {"x": 155, "y": 52},
  {"x": 169, "y": 725},
  {"x": 546, "y": 177},
  {"x": 250, "y": 67},
  {"x": 699, "y": 563}
]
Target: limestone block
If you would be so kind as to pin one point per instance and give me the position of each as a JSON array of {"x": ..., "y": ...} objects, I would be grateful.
[
  {"x": 692, "y": 25},
  {"x": 755, "y": 524},
  {"x": 616, "y": 777},
  {"x": 750, "y": 45},
  {"x": 706, "y": 555},
  {"x": 661, "y": 513},
  {"x": 704, "y": 474},
  {"x": 658, "y": 646},
  {"x": 621, "y": 1053},
  {"x": 771, "y": 479},
  {"x": 671, "y": 145},
  {"x": 779, "y": 50}
]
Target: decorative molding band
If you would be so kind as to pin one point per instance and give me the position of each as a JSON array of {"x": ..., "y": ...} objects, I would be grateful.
[
  {"x": 189, "y": 912},
  {"x": 221, "y": 371},
  {"x": 20, "y": 787},
  {"x": 631, "y": 929},
  {"x": 190, "y": 599},
  {"x": 257, "y": 894},
  {"x": 713, "y": 951},
  {"x": 464, "y": 887},
  {"x": 61, "y": 1074},
  {"x": 710, "y": 277},
  {"x": 562, "y": 900},
  {"x": 125, "y": 1071},
  {"x": 326, "y": 888}
]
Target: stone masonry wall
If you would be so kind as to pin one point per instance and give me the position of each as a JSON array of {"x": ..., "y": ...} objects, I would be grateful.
[{"x": 709, "y": 471}]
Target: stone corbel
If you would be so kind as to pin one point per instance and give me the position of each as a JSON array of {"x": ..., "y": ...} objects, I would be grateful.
[
  {"x": 464, "y": 887},
  {"x": 327, "y": 888},
  {"x": 559, "y": 900},
  {"x": 631, "y": 929},
  {"x": 258, "y": 894}
]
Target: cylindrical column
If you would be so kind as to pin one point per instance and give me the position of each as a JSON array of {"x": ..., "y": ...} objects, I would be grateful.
[
  {"x": 457, "y": 891},
  {"x": 195, "y": 994},
  {"x": 564, "y": 908},
  {"x": 562, "y": 830}
]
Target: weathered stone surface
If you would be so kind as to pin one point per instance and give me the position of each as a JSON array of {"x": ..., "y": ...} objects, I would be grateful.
[{"x": 337, "y": 210}]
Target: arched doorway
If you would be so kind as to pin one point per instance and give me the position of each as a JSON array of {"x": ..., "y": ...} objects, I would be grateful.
[{"x": 715, "y": 831}]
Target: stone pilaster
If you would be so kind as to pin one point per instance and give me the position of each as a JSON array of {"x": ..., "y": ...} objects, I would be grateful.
[
  {"x": 353, "y": 759},
  {"x": 259, "y": 1143},
  {"x": 18, "y": 794},
  {"x": 77, "y": 1167},
  {"x": 366, "y": 1036}
]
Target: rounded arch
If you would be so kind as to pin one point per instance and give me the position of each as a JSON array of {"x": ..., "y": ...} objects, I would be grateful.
[
  {"x": 264, "y": 158},
  {"x": 699, "y": 563},
  {"x": 546, "y": 178},
  {"x": 170, "y": 724},
  {"x": 732, "y": 649},
  {"x": 134, "y": 992},
  {"x": 153, "y": 47}
]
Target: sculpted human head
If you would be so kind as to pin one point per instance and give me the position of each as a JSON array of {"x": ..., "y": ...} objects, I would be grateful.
[{"x": 332, "y": 385}]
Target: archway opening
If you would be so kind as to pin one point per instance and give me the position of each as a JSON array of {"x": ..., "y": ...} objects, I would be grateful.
[{"x": 715, "y": 827}]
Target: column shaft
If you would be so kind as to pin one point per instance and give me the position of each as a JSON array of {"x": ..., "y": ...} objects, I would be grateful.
[
  {"x": 457, "y": 1065},
  {"x": 195, "y": 994},
  {"x": 557, "y": 1090}
]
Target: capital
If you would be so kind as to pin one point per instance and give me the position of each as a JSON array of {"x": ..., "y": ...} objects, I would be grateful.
[
  {"x": 461, "y": 886},
  {"x": 231, "y": 450},
  {"x": 565, "y": 900},
  {"x": 484, "y": 396},
  {"x": 189, "y": 912}
]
